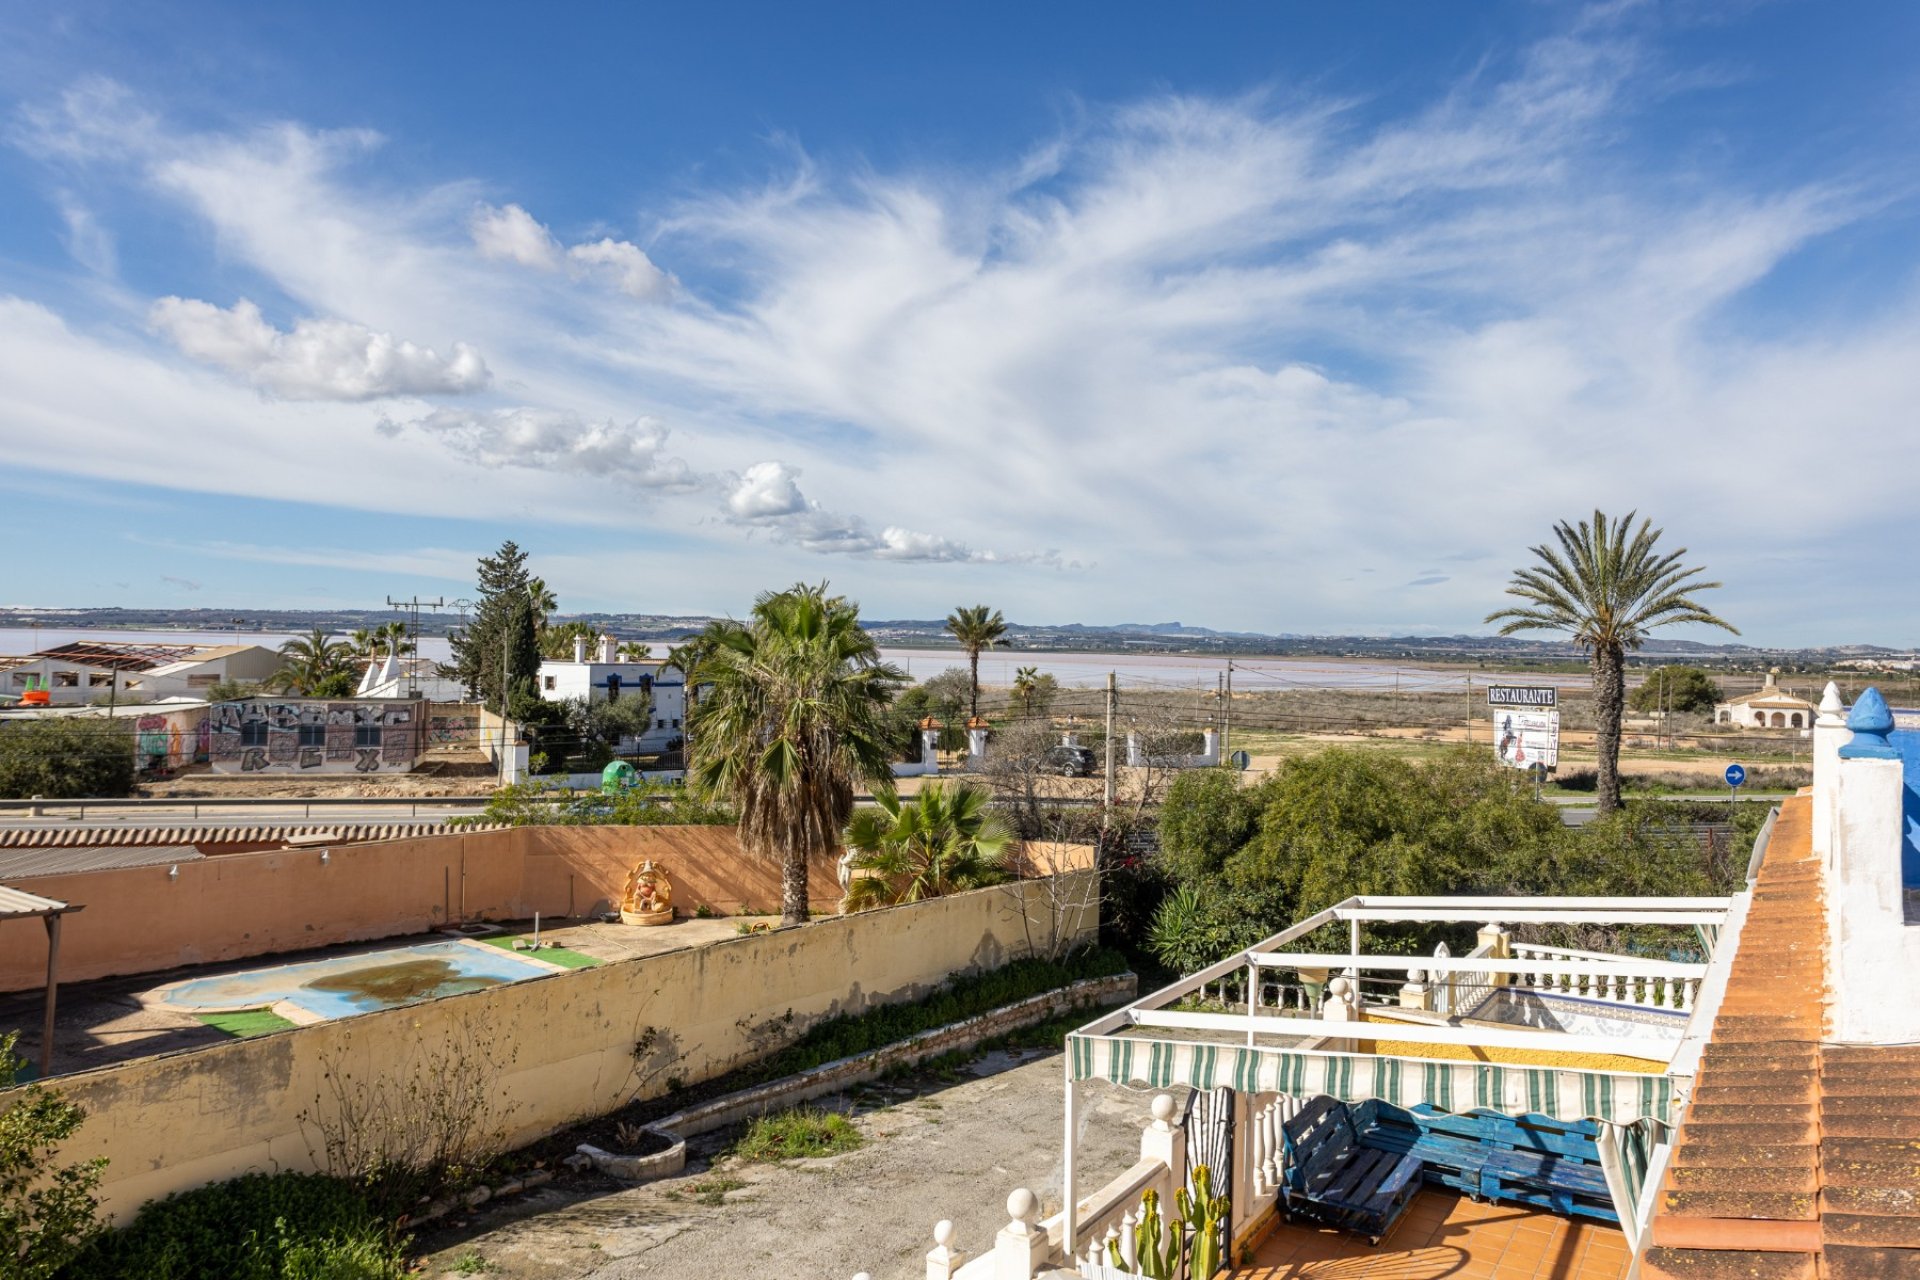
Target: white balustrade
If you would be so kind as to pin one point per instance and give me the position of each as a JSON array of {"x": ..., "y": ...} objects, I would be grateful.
[{"x": 1644, "y": 990}]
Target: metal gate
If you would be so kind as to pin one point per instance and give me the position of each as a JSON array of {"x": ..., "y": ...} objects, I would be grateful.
[{"x": 1210, "y": 1142}]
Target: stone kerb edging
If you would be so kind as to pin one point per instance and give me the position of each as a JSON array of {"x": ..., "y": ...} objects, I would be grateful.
[{"x": 832, "y": 1077}]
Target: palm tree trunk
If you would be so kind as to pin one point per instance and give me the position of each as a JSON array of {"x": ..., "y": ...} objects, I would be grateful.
[
  {"x": 1609, "y": 703},
  {"x": 793, "y": 886},
  {"x": 973, "y": 703}
]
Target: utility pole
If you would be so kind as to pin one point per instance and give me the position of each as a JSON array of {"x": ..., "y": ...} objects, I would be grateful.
[
  {"x": 1113, "y": 696},
  {"x": 1469, "y": 707},
  {"x": 414, "y": 606},
  {"x": 1226, "y": 720}
]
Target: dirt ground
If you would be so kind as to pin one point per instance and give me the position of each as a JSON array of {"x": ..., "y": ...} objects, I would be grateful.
[{"x": 935, "y": 1149}]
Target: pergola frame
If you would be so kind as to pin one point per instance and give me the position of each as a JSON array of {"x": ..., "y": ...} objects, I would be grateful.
[
  {"x": 1706, "y": 915},
  {"x": 17, "y": 904}
]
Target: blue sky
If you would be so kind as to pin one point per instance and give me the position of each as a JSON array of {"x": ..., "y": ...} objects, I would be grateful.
[{"x": 1282, "y": 317}]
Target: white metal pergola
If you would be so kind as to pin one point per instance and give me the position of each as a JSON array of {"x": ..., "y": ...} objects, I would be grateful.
[{"x": 1261, "y": 1048}]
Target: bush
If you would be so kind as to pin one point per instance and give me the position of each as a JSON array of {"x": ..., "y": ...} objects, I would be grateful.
[
  {"x": 1206, "y": 817},
  {"x": 283, "y": 1226},
  {"x": 65, "y": 758},
  {"x": 48, "y": 1212}
]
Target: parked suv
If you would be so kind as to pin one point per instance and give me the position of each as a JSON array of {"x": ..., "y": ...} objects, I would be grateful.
[{"x": 1069, "y": 762}]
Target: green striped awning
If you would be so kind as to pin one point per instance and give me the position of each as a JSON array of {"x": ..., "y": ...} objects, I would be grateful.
[{"x": 1563, "y": 1093}]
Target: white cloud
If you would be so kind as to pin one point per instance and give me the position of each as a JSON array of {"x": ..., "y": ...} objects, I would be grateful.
[
  {"x": 510, "y": 234},
  {"x": 767, "y": 496},
  {"x": 629, "y": 269},
  {"x": 548, "y": 440},
  {"x": 90, "y": 243},
  {"x": 766, "y": 490},
  {"x": 317, "y": 359}
]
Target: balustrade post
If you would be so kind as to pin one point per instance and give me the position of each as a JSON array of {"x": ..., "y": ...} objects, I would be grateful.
[
  {"x": 943, "y": 1260},
  {"x": 1020, "y": 1250},
  {"x": 1165, "y": 1142}
]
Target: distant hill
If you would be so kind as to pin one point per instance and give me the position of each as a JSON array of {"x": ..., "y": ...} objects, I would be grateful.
[{"x": 1134, "y": 637}]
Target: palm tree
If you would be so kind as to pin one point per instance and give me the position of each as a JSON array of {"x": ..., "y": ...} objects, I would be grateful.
[
  {"x": 312, "y": 664},
  {"x": 1026, "y": 683},
  {"x": 1606, "y": 586},
  {"x": 791, "y": 722},
  {"x": 635, "y": 651},
  {"x": 364, "y": 642},
  {"x": 394, "y": 636},
  {"x": 941, "y": 841},
  {"x": 544, "y": 602},
  {"x": 976, "y": 628}
]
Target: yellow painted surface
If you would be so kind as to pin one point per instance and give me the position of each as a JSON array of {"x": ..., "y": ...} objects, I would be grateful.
[
  {"x": 1510, "y": 1057},
  {"x": 557, "y": 1048}
]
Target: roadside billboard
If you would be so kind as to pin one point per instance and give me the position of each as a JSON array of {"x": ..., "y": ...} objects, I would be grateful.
[{"x": 1523, "y": 739}]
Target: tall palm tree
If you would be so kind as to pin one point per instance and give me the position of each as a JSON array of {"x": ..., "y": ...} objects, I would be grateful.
[
  {"x": 1606, "y": 586},
  {"x": 1026, "y": 683},
  {"x": 976, "y": 627},
  {"x": 792, "y": 721},
  {"x": 311, "y": 663},
  {"x": 393, "y": 635},
  {"x": 544, "y": 603},
  {"x": 942, "y": 841}
]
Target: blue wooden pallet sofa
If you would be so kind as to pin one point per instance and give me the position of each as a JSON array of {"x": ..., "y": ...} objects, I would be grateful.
[
  {"x": 1531, "y": 1159},
  {"x": 1334, "y": 1177}
]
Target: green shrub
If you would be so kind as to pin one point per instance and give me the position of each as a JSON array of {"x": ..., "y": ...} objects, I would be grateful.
[
  {"x": 283, "y": 1226},
  {"x": 66, "y": 758},
  {"x": 48, "y": 1212}
]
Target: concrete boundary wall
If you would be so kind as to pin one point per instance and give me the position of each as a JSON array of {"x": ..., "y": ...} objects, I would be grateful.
[
  {"x": 233, "y": 906},
  {"x": 556, "y": 1049}
]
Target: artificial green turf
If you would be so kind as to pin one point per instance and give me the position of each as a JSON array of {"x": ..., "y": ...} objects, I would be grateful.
[
  {"x": 553, "y": 955},
  {"x": 246, "y": 1022}
]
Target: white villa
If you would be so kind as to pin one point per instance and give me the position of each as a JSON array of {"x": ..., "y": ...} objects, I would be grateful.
[
  {"x": 1768, "y": 707},
  {"x": 603, "y": 676}
]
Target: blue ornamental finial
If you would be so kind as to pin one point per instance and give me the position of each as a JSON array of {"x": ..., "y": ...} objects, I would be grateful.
[{"x": 1871, "y": 721}]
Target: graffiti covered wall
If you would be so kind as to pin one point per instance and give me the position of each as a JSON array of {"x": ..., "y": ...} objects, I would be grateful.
[
  {"x": 315, "y": 735},
  {"x": 170, "y": 739}
]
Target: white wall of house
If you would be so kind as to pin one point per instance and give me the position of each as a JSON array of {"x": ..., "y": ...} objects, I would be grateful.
[
  {"x": 71, "y": 683},
  {"x": 598, "y": 677}
]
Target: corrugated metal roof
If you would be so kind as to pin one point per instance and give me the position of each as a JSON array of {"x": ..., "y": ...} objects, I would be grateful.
[
  {"x": 60, "y": 862},
  {"x": 73, "y": 838},
  {"x": 16, "y": 902}
]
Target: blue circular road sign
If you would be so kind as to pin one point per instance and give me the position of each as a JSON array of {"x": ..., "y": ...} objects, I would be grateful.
[{"x": 1736, "y": 774}]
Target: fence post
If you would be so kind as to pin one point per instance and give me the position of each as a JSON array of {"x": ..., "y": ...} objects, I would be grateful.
[{"x": 943, "y": 1260}]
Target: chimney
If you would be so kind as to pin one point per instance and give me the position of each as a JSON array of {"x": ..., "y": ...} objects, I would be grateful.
[
  {"x": 606, "y": 649},
  {"x": 579, "y": 648}
]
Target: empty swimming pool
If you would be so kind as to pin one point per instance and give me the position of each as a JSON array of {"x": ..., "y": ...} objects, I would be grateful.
[{"x": 314, "y": 990}]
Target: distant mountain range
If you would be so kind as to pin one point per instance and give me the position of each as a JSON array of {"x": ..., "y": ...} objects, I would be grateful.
[{"x": 1134, "y": 637}]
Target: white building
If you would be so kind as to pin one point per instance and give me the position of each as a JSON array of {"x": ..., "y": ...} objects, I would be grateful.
[
  {"x": 603, "y": 676},
  {"x": 1768, "y": 707},
  {"x": 76, "y": 674},
  {"x": 390, "y": 677}
]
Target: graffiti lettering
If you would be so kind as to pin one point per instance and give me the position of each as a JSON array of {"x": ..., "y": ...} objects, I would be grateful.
[
  {"x": 252, "y": 760},
  {"x": 367, "y": 761}
]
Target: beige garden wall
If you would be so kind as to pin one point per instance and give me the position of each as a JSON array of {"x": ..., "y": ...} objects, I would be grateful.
[
  {"x": 559, "y": 1048},
  {"x": 233, "y": 906}
]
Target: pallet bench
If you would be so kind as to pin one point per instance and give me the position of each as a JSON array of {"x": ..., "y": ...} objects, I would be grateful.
[
  {"x": 1531, "y": 1159},
  {"x": 1333, "y": 1176}
]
